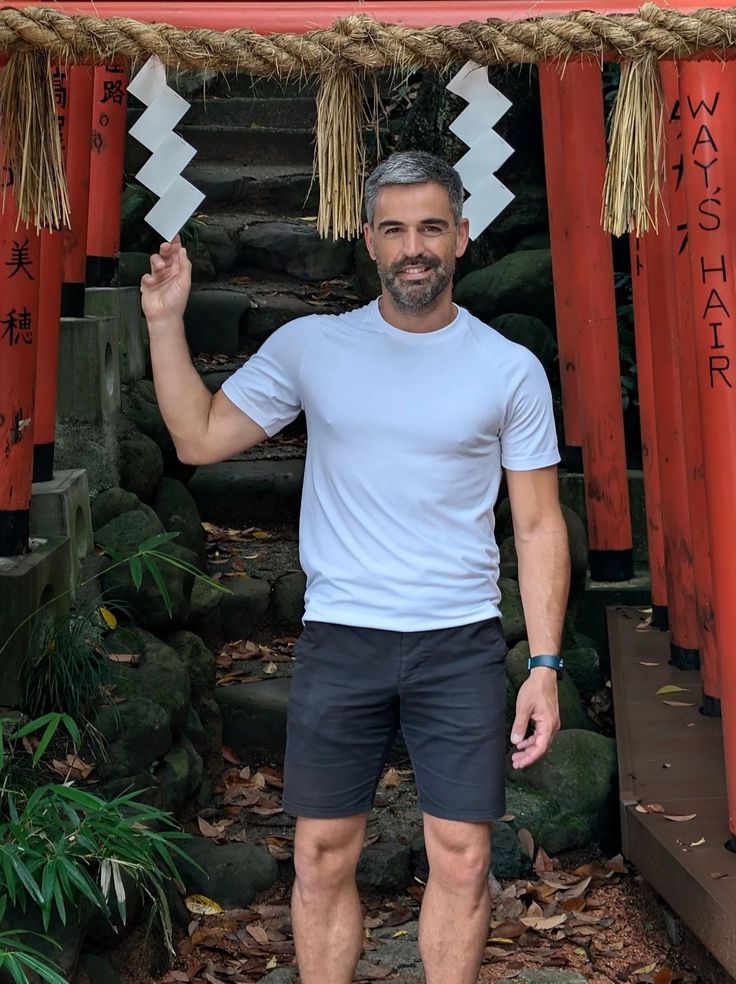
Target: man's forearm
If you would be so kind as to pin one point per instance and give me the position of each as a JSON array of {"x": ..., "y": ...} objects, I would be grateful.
[
  {"x": 183, "y": 398},
  {"x": 544, "y": 579}
]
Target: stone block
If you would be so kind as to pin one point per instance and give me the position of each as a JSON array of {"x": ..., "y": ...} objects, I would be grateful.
[
  {"x": 124, "y": 305},
  {"x": 89, "y": 369},
  {"x": 38, "y": 578},
  {"x": 61, "y": 508},
  {"x": 94, "y": 446},
  {"x": 254, "y": 717}
]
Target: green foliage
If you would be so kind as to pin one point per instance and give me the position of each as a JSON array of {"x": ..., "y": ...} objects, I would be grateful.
[
  {"x": 17, "y": 957},
  {"x": 66, "y": 668}
]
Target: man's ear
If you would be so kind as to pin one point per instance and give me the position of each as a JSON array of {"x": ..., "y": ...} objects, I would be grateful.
[
  {"x": 463, "y": 237},
  {"x": 368, "y": 235}
]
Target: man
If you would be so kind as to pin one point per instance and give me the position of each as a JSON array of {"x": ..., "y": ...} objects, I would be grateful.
[{"x": 413, "y": 406}]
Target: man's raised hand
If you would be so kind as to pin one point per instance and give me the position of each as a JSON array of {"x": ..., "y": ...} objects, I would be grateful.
[{"x": 165, "y": 290}]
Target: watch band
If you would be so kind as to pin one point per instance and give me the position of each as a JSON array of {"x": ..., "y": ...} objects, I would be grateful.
[{"x": 553, "y": 662}]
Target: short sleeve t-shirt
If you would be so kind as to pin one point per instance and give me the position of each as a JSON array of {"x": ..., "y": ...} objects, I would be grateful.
[{"x": 407, "y": 435}]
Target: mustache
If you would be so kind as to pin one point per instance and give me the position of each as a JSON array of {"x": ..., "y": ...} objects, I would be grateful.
[{"x": 429, "y": 261}]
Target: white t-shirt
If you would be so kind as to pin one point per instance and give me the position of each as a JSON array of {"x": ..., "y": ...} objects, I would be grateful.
[{"x": 407, "y": 436}]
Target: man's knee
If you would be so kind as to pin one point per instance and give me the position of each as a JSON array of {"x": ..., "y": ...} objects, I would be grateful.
[
  {"x": 326, "y": 852},
  {"x": 459, "y": 854}
]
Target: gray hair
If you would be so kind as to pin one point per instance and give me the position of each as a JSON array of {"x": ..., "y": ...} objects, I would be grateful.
[{"x": 414, "y": 167}]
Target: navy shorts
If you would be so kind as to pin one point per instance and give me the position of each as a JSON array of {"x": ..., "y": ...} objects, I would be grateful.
[{"x": 354, "y": 687}]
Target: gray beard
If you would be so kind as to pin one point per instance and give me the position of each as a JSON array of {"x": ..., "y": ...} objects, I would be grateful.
[{"x": 415, "y": 297}]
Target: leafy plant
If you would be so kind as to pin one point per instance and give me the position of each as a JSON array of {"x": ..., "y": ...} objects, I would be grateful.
[
  {"x": 66, "y": 667},
  {"x": 17, "y": 957},
  {"x": 135, "y": 234}
]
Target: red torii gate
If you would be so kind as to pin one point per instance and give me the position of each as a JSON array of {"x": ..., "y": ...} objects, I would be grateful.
[{"x": 588, "y": 330}]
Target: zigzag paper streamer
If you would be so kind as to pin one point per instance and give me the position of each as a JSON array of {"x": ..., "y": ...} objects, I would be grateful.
[
  {"x": 488, "y": 151},
  {"x": 161, "y": 174}
]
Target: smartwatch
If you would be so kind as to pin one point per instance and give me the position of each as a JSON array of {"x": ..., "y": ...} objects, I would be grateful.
[{"x": 553, "y": 662}]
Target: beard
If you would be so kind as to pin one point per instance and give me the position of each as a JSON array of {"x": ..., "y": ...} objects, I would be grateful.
[{"x": 418, "y": 295}]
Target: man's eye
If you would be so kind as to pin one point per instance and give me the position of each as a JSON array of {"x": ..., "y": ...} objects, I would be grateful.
[
  {"x": 433, "y": 229},
  {"x": 392, "y": 230}
]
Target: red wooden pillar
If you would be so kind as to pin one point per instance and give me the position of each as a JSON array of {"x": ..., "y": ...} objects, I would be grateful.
[
  {"x": 565, "y": 296},
  {"x": 708, "y": 109},
  {"x": 597, "y": 363},
  {"x": 20, "y": 255},
  {"x": 678, "y": 548},
  {"x": 109, "y": 131},
  {"x": 77, "y": 142},
  {"x": 650, "y": 455},
  {"x": 685, "y": 360}
]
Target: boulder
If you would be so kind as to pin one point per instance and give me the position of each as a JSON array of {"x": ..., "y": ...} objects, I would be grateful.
[
  {"x": 160, "y": 675},
  {"x": 369, "y": 283},
  {"x": 535, "y": 240},
  {"x": 180, "y": 775},
  {"x": 526, "y": 330},
  {"x": 296, "y": 249},
  {"x": 584, "y": 668},
  {"x": 572, "y": 712},
  {"x": 147, "y": 605},
  {"x": 254, "y": 717},
  {"x": 214, "y": 320},
  {"x": 137, "y": 733},
  {"x": 143, "y": 410},
  {"x": 520, "y": 282},
  {"x": 579, "y": 773},
  {"x": 288, "y": 599},
  {"x": 194, "y": 729},
  {"x": 577, "y": 538},
  {"x": 246, "y": 608},
  {"x": 177, "y": 510},
  {"x": 508, "y": 857},
  {"x": 141, "y": 465},
  {"x": 384, "y": 867},
  {"x": 526, "y": 215},
  {"x": 233, "y": 874},
  {"x": 197, "y": 660},
  {"x": 508, "y": 561},
  {"x": 222, "y": 249},
  {"x": 512, "y": 612},
  {"x": 111, "y": 503}
]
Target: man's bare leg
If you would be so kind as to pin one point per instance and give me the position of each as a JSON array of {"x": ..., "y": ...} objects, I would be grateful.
[
  {"x": 325, "y": 908},
  {"x": 456, "y": 909}
]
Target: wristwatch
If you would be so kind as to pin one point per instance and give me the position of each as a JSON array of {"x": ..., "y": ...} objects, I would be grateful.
[{"x": 553, "y": 662}]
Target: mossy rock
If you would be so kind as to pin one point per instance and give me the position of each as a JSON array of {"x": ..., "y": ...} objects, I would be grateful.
[
  {"x": 572, "y": 712},
  {"x": 111, "y": 503},
  {"x": 160, "y": 675},
  {"x": 583, "y": 665},
  {"x": 520, "y": 282},
  {"x": 530, "y": 332},
  {"x": 196, "y": 659},
  {"x": 141, "y": 465},
  {"x": 136, "y": 732},
  {"x": 512, "y": 612}
]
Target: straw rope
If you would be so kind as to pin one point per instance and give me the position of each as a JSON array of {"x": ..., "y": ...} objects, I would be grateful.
[
  {"x": 361, "y": 42},
  {"x": 343, "y": 54}
]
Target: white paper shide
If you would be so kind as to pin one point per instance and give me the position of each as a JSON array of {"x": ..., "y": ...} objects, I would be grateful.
[
  {"x": 161, "y": 174},
  {"x": 488, "y": 197}
]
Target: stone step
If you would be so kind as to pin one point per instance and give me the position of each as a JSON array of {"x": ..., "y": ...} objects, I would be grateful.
[
  {"x": 279, "y": 112},
  {"x": 257, "y": 492},
  {"x": 246, "y": 145},
  {"x": 261, "y": 188}
]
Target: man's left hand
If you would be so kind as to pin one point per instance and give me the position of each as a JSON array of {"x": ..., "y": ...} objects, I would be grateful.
[{"x": 537, "y": 705}]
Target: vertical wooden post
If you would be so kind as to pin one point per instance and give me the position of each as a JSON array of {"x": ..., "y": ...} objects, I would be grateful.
[
  {"x": 77, "y": 141},
  {"x": 564, "y": 287},
  {"x": 678, "y": 548},
  {"x": 109, "y": 130},
  {"x": 597, "y": 360},
  {"x": 20, "y": 260},
  {"x": 708, "y": 109},
  {"x": 685, "y": 359},
  {"x": 647, "y": 413}
]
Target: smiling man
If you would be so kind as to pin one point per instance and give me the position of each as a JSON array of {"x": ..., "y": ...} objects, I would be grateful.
[{"x": 413, "y": 407}]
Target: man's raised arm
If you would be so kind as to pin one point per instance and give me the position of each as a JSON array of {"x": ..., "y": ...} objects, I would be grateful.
[{"x": 204, "y": 428}]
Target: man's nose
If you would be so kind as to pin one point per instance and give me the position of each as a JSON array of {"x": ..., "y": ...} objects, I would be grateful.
[{"x": 412, "y": 243}]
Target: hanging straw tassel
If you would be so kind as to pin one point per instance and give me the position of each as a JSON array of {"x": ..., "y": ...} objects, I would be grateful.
[
  {"x": 633, "y": 178},
  {"x": 340, "y": 155},
  {"x": 30, "y": 141}
]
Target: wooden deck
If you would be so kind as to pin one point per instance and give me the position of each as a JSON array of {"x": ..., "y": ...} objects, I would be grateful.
[{"x": 672, "y": 756}]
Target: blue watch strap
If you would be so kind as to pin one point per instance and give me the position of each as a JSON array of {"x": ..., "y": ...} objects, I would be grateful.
[{"x": 553, "y": 662}]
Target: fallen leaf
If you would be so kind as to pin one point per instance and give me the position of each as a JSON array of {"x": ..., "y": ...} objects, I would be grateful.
[
  {"x": 200, "y": 905},
  {"x": 208, "y": 829},
  {"x": 110, "y": 621},
  {"x": 507, "y": 818},
  {"x": 527, "y": 841},
  {"x": 270, "y": 668},
  {"x": 689, "y": 816},
  {"x": 670, "y": 688},
  {"x": 258, "y": 933},
  {"x": 272, "y": 964},
  {"x": 646, "y": 969},
  {"x": 541, "y": 923},
  {"x": 391, "y": 779},
  {"x": 281, "y": 848},
  {"x": 642, "y": 663},
  {"x": 697, "y": 843},
  {"x": 664, "y": 976},
  {"x": 130, "y": 659},
  {"x": 649, "y": 808},
  {"x": 718, "y": 874},
  {"x": 231, "y": 756},
  {"x": 678, "y": 703}
]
